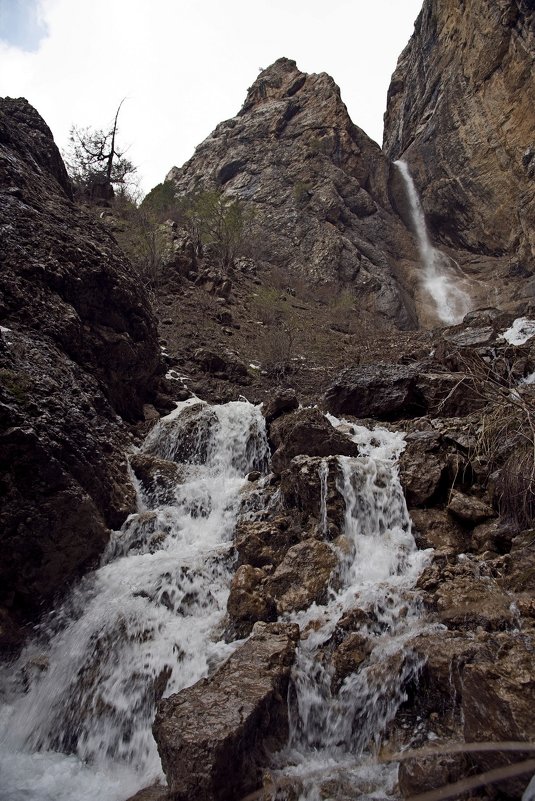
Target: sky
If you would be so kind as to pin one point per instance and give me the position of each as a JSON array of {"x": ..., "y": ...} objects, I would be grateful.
[{"x": 185, "y": 65}]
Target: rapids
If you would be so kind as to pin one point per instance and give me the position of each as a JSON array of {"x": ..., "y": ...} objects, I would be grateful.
[{"x": 78, "y": 705}]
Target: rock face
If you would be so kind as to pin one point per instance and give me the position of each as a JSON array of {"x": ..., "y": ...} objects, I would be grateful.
[
  {"x": 460, "y": 112},
  {"x": 78, "y": 347},
  {"x": 214, "y": 738},
  {"x": 317, "y": 186}
]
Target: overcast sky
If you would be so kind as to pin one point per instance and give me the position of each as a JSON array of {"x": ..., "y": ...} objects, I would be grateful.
[{"x": 185, "y": 65}]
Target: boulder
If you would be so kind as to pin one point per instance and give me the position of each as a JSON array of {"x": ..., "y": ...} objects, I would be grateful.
[
  {"x": 306, "y": 483},
  {"x": 422, "y": 467},
  {"x": 306, "y": 431},
  {"x": 261, "y": 543},
  {"x": 282, "y": 402},
  {"x": 435, "y": 528},
  {"x": 247, "y": 602},
  {"x": 222, "y": 365},
  {"x": 469, "y": 509},
  {"x": 158, "y": 477},
  {"x": 348, "y": 656},
  {"x": 215, "y": 737},
  {"x": 303, "y": 576},
  {"x": 383, "y": 391}
]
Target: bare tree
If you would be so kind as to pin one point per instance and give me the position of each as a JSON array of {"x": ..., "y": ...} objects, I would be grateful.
[{"x": 96, "y": 165}]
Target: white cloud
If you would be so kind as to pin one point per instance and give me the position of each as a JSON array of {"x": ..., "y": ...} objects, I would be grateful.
[{"x": 186, "y": 65}]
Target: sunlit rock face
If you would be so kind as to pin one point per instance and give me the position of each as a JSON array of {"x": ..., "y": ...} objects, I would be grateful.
[
  {"x": 460, "y": 113},
  {"x": 317, "y": 186}
]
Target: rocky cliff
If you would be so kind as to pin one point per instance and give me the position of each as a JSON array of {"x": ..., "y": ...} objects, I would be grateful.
[
  {"x": 317, "y": 186},
  {"x": 460, "y": 112},
  {"x": 79, "y": 354}
]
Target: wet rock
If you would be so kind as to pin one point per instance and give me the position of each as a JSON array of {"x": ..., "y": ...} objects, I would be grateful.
[
  {"x": 80, "y": 349},
  {"x": 466, "y": 602},
  {"x": 496, "y": 535},
  {"x": 282, "y": 402},
  {"x": 302, "y": 486},
  {"x": 348, "y": 657},
  {"x": 498, "y": 703},
  {"x": 426, "y": 773},
  {"x": 261, "y": 543},
  {"x": 303, "y": 576},
  {"x": 158, "y": 477},
  {"x": 184, "y": 439},
  {"x": 469, "y": 509},
  {"x": 154, "y": 793},
  {"x": 307, "y": 432},
  {"x": 422, "y": 468},
  {"x": 214, "y": 738},
  {"x": 247, "y": 602}
]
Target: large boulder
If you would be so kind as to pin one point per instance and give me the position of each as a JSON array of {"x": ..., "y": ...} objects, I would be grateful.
[
  {"x": 306, "y": 431},
  {"x": 303, "y": 576},
  {"x": 215, "y": 737}
]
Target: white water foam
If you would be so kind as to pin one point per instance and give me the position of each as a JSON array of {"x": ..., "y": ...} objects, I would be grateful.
[
  {"x": 442, "y": 278},
  {"x": 520, "y": 331},
  {"x": 332, "y": 731},
  {"x": 79, "y": 702}
]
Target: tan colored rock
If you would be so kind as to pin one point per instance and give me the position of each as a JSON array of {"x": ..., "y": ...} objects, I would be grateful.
[
  {"x": 215, "y": 737},
  {"x": 348, "y": 657},
  {"x": 303, "y": 576},
  {"x": 466, "y": 602},
  {"x": 435, "y": 528},
  {"x": 247, "y": 602},
  {"x": 261, "y": 543},
  {"x": 469, "y": 509},
  {"x": 460, "y": 112}
]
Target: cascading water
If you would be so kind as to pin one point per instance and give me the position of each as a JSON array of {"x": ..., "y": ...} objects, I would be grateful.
[
  {"x": 333, "y": 729},
  {"x": 442, "y": 276},
  {"x": 78, "y": 704}
]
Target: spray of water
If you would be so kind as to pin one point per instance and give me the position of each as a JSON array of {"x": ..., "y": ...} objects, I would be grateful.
[
  {"x": 79, "y": 703},
  {"x": 441, "y": 274},
  {"x": 334, "y": 727}
]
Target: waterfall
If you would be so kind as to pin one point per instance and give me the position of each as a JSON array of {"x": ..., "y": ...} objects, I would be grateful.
[
  {"x": 334, "y": 729},
  {"x": 441, "y": 274},
  {"x": 78, "y": 704}
]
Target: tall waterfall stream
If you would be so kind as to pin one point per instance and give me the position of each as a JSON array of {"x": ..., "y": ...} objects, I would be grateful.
[
  {"x": 78, "y": 704},
  {"x": 442, "y": 279}
]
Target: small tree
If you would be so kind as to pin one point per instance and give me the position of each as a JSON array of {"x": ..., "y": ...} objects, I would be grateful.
[
  {"x": 217, "y": 220},
  {"x": 95, "y": 163}
]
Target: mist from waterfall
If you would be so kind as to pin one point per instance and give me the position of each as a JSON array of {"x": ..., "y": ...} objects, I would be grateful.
[{"x": 441, "y": 273}]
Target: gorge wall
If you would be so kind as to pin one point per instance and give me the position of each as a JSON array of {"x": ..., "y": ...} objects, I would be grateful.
[
  {"x": 460, "y": 112},
  {"x": 79, "y": 354}
]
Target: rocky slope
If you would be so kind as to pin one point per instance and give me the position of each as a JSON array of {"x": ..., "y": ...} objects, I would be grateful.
[
  {"x": 460, "y": 112},
  {"x": 79, "y": 354}
]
